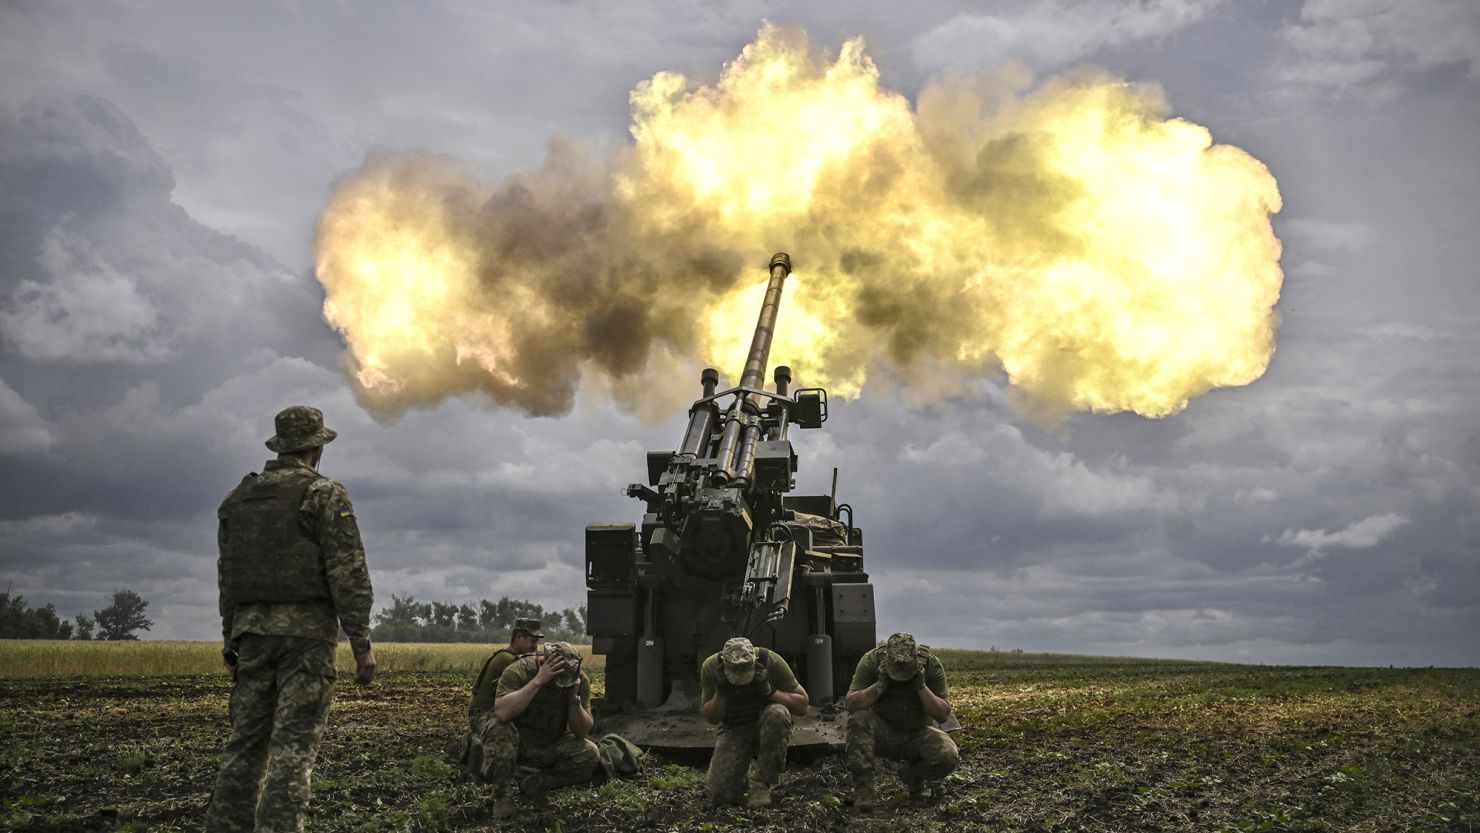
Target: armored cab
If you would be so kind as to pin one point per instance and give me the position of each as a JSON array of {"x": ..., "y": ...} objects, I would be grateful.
[{"x": 724, "y": 550}]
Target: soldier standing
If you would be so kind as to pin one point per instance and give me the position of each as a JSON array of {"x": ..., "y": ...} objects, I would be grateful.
[
  {"x": 752, "y": 694},
  {"x": 481, "y": 720},
  {"x": 897, "y": 694},
  {"x": 291, "y": 573},
  {"x": 543, "y": 711}
]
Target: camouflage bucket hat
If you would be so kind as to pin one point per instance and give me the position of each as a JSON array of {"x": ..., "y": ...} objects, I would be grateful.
[
  {"x": 900, "y": 656},
  {"x": 529, "y": 626},
  {"x": 299, "y": 427},
  {"x": 738, "y": 658},
  {"x": 572, "y": 673}
]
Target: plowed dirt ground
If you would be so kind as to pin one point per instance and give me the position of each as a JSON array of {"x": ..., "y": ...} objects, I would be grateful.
[{"x": 1068, "y": 746}]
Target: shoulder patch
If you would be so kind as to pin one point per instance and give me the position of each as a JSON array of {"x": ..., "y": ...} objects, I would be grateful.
[{"x": 344, "y": 511}]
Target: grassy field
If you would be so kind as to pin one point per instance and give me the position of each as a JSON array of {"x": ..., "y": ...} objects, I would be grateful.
[
  {"x": 30, "y": 658},
  {"x": 1051, "y": 743}
]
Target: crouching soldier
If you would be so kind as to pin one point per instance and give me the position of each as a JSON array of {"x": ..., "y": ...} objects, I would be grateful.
[
  {"x": 753, "y": 694},
  {"x": 543, "y": 711},
  {"x": 897, "y": 695},
  {"x": 524, "y": 639}
]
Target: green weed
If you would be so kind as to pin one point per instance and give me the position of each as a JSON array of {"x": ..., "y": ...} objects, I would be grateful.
[
  {"x": 433, "y": 810},
  {"x": 133, "y": 761},
  {"x": 624, "y": 795},
  {"x": 430, "y": 769},
  {"x": 677, "y": 777}
]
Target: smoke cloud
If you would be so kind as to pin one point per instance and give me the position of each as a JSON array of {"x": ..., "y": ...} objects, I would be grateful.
[{"x": 1104, "y": 255}]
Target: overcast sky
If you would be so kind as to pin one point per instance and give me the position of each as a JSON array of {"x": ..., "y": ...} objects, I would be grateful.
[{"x": 162, "y": 166}]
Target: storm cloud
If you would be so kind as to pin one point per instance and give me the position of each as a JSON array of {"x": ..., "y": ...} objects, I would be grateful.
[{"x": 160, "y": 174}]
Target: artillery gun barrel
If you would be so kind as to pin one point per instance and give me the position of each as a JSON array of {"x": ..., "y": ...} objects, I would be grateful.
[
  {"x": 737, "y": 442},
  {"x": 760, "y": 345}
]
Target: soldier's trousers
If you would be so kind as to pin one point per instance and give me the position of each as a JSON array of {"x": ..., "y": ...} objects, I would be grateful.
[
  {"x": 930, "y": 751},
  {"x": 571, "y": 760},
  {"x": 284, "y": 686},
  {"x": 763, "y": 741}
]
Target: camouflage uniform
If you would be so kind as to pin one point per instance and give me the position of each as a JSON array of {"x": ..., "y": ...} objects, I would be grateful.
[
  {"x": 752, "y": 728},
  {"x": 897, "y": 727},
  {"x": 481, "y": 721},
  {"x": 285, "y": 649},
  {"x": 539, "y": 736}
]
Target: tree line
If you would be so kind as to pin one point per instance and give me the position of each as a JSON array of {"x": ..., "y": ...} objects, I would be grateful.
[
  {"x": 404, "y": 620},
  {"x": 407, "y": 620},
  {"x": 118, "y": 621}
]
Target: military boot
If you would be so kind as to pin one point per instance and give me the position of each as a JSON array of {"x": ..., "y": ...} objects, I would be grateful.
[
  {"x": 864, "y": 800},
  {"x": 504, "y": 807},
  {"x": 759, "y": 795},
  {"x": 537, "y": 788},
  {"x": 915, "y": 782}
]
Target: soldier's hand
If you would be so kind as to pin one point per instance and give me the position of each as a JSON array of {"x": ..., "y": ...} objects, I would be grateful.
[
  {"x": 882, "y": 684},
  {"x": 229, "y": 659},
  {"x": 916, "y": 682},
  {"x": 762, "y": 685},
  {"x": 550, "y": 668},
  {"x": 365, "y": 667}
]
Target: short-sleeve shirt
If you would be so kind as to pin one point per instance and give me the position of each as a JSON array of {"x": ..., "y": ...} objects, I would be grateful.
[
  {"x": 782, "y": 678},
  {"x": 867, "y": 673},
  {"x": 516, "y": 675},
  {"x": 899, "y": 706},
  {"x": 543, "y": 721},
  {"x": 486, "y": 686}
]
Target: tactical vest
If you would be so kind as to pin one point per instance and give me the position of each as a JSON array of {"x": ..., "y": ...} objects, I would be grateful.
[
  {"x": 545, "y": 717},
  {"x": 268, "y": 558},
  {"x": 743, "y": 704},
  {"x": 900, "y": 706},
  {"x": 485, "y": 688}
]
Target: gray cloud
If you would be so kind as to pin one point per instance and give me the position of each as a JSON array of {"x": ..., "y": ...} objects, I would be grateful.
[
  {"x": 1049, "y": 36},
  {"x": 158, "y": 172},
  {"x": 1373, "y": 48},
  {"x": 1363, "y": 534},
  {"x": 23, "y": 428}
]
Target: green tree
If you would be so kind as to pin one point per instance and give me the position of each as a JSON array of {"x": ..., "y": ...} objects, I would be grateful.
[
  {"x": 20, "y": 622},
  {"x": 14, "y": 622},
  {"x": 400, "y": 622},
  {"x": 48, "y": 625},
  {"x": 407, "y": 620},
  {"x": 488, "y": 614},
  {"x": 444, "y": 615},
  {"x": 467, "y": 618},
  {"x": 119, "y": 620},
  {"x": 84, "y": 629}
]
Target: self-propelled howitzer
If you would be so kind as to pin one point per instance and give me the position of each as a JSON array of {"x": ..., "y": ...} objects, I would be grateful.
[{"x": 723, "y": 550}]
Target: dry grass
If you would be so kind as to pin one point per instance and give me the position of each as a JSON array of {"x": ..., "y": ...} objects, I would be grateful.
[{"x": 33, "y": 658}]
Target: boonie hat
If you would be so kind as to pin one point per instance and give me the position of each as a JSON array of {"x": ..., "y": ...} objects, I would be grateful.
[
  {"x": 900, "y": 656},
  {"x": 529, "y": 626},
  {"x": 738, "y": 658},
  {"x": 572, "y": 673},
  {"x": 299, "y": 427}
]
